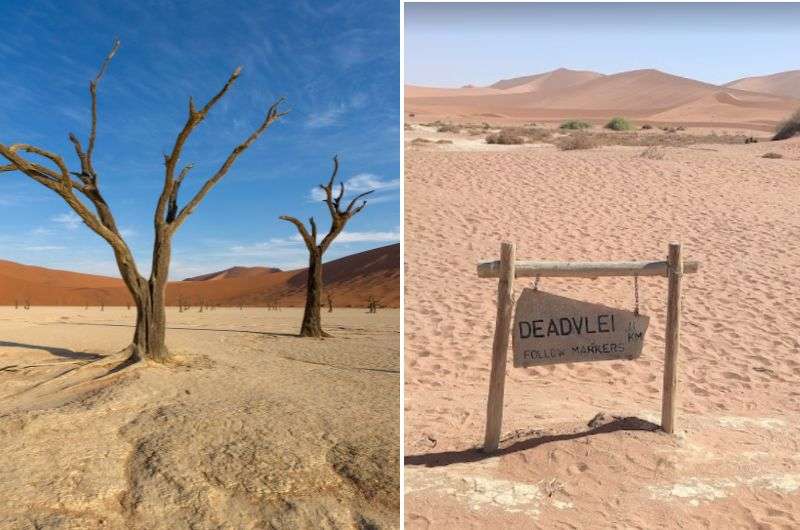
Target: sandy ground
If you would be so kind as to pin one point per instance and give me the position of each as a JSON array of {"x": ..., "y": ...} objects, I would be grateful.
[
  {"x": 252, "y": 428},
  {"x": 734, "y": 461}
]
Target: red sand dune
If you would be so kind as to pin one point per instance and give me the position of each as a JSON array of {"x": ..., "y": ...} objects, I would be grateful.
[
  {"x": 639, "y": 94},
  {"x": 780, "y": 84},
  {"x": 350, "y": 281},
  {"x": 548, "y": 81},
  {"x": 234, "y": 272}
]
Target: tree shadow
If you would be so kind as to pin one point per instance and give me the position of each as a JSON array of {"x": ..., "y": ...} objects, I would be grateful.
[
  {"x": 267, "y": 333},
  {"x": 475, "y": 454},
  {"x": 58, "y": 352}
]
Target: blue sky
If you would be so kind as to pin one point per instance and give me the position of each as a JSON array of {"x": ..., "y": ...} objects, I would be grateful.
[
  {"x": 458, "y": 44},
  {"x": 337, "y": 63}
]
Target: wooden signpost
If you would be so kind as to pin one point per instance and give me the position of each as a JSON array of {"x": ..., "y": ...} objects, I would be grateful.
[{"x": 550, "y": 329}]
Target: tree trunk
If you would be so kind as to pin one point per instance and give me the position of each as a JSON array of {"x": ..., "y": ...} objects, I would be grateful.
[
  {"x": 312, "y": 319},
  {"x": 149, "y": 338}
]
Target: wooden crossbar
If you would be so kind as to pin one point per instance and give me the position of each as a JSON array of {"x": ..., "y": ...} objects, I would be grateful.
[
  {"x": 507, "y": 268},
  {"x": 584, "y": 269}
]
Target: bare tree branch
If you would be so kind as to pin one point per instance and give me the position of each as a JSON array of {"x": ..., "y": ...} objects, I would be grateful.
[
  {"x": 310, "y": 243},
  {"x": 273, "y": 114},
  {"x": 93, "y": 90}
]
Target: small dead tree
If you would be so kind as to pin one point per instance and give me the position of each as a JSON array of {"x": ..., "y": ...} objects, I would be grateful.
[
  {"x": 16, "y": 303},
  {"x": 75, "y": 188},
  {"x": 312, "y": 321},
  {"x": 330, "y": 302}
]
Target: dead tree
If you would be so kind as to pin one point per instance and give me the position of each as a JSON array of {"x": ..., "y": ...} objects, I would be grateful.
[
  {"x": 75, "y": 188},
  {"x": 16, "y": 303},
  {"x": 312, "y": 321},
  {"x": 330, "y": 302}
]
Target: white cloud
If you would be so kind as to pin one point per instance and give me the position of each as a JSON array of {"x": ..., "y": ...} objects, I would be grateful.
[
  {"x": 291, "y": 252},
  {"x": 350, "y": 54},
  {"x": 334, "y": 112},
  {"x": 368, "y": 237},
  {"x": 326, "y": 118},
  {"x": 69, "y": 220},
  {"x": 43, "y": 248},
  {"x": 357, "y": 237}
]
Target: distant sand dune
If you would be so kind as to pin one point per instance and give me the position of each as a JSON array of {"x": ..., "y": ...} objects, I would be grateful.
[
  {"x": 350, "y": 280},
  {"x": 780, "y": 84},
  {"x": 639, "y": 94}
]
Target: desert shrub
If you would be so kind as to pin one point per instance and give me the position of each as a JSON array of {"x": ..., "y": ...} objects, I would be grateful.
[
  {"x": 619, "y": 124},
  {"x": 449, "y": 128},
  {"x": 788, "y": 128},
  {"x": 647, "y": 126},
  {"x": 772, "y": 155},
  {"x": 653, "y": 153},
  {"x": 407, "y": 127},
  {"x": 411, "y": 114},
  {"x": 751, "y": 140},
  {"x": 681, "y": 128},
  {"x": 420, "y": 141},
  {"x": 575, "y": 142},
  {"x": 505, "y": 137},
  {"x": 530, "y": 134},
  {"x": 444, "y": 141},
  {"x": 575, "y": 125}
]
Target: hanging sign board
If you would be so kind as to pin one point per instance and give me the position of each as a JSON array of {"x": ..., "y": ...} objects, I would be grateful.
[{"x": 552, "y": 329}]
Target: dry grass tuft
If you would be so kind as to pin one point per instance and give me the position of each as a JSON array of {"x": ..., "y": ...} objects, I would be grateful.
[
  {"x": 772, "y": 155},
  {"x": 575, "y": 125},
  {"x": 576, "y": 142},
  {"x": 505, "y": 137},
  {"x": 449, "y": 128},
  {"x": 653, "y": 153}
]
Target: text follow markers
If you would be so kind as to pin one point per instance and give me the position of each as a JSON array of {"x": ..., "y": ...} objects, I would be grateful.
[{"x": 552, "y": 329}]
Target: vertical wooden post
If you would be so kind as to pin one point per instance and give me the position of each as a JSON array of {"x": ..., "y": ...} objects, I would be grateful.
[
  {"x": 673, "y": 332},
  {"x": 502, "y": 330}
]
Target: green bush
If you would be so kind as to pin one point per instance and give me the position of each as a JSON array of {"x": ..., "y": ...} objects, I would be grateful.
[
  {"x": 575, "y": 125},
  {"x": 789, "y": 128},
  {"x": 619, "y": 124}
]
